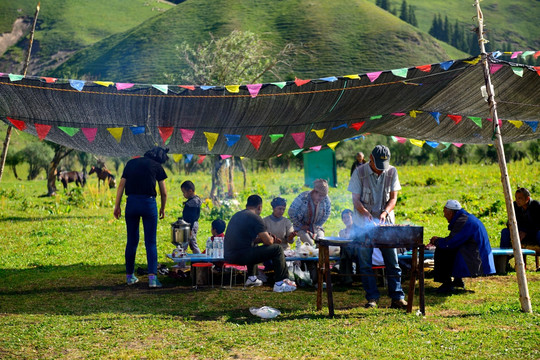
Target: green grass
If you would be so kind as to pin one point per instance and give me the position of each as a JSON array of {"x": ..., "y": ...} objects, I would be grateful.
[{"x": 62, "y": 292}]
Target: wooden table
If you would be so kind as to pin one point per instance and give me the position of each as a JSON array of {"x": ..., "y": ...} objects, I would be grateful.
[{"x": 323, "y": 269}]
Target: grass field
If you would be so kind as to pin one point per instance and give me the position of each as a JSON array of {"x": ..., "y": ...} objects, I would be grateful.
[{"x": 62, "y": 291}]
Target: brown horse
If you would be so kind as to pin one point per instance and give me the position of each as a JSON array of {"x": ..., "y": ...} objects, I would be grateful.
[
  {"x": 79, "y": 178},
  {"x": 103, "y": 174}
]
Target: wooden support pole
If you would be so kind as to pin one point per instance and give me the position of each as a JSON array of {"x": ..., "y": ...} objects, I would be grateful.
[
  {"x": 524, "y": 298},
  {"x": 25, "y": 68}
]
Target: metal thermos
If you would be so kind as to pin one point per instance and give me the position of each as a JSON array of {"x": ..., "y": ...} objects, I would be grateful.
[{"x": 180, "y": 230}]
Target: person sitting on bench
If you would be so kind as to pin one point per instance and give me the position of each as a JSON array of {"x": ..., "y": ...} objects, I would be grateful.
[{"x": 528, "y": 221}]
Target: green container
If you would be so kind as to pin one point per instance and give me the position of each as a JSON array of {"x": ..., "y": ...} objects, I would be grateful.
[{"x": 320, "y": 165}]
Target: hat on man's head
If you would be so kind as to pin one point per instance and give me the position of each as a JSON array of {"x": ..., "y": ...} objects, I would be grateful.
[
  {"x": 321, "y": 186},
  {"x": 453, "y": 205},
  {"x": 381, "y": 155}
]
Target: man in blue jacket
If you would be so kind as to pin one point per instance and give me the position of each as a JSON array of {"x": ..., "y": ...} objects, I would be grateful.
[{"x": 466, "y": 252}]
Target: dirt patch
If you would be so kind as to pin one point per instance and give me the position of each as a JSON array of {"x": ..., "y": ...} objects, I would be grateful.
[{"x": 21, "y": 27}]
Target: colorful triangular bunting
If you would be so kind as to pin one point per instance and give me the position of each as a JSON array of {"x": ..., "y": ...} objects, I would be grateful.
[
  {"x": 211, "y": 139},
  {"x": 137, "y": 130},
  {"x": 275, "y": 137},
  {"x": 232, "y": 88},
  {"x": 42, "y": 130},
  {"x": 320, "y": 133},
  {"x": 358, "y": 125},
  {"x": 333, "y": 145},
  {"x": 232, "y": 139},
  {"x": 255, "y": 140},
  {"x": 19, "y": 124},
  {"x": 69, "y": 130},
  {"x": 165, "y": 132},
  {"x": 299, "y": 138},
  {"x": 116, "y": 133},
  {"x": 254, "y": 89},
  {"x": 90, "y": 133}
]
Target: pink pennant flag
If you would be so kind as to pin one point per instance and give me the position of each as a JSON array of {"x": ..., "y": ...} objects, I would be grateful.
[
  {"x": 491, "y": 120},
  {"x": 424, "y": 68},
  {"x": 19, "y": 124},
  {"x": 223, "y": 157},
  {"x": 300, "y": 82},
  {"x": 455, "y": 118},
  {"x": 189, "y": 87},
  {"x": 493, "y": 68},
  {"x": 201, "y": 159},
  {"x": 299, "y": 138},
  {"x": 374, "y": 75},
  {"x": 458, "y": 144},
  {"x": 165, "y": 132},
  {"x": 255, "y": 140},
  {"x": 90, "y": 133},
  {"x": 254, "y": 89},
  {"x": 358, "y": 125},
  {"x": 400, "y": 140},
  {"x": 123, "y": 86},
  {"x": 187, "y": 135},
  {"x": 42, "y": 130},
  {"x": 516, "y": 54},
  {"x": 316, "y": 148},
  {"x": 398, "y": 114}
]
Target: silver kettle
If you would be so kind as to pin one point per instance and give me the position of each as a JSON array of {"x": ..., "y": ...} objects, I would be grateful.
[{"x": 180, "y": 230}]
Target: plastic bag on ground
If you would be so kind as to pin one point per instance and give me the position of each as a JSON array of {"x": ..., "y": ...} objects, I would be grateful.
[{"x": 265, "y": 312}]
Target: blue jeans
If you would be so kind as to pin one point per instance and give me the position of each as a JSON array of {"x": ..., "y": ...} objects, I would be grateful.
[
  {"x": 393, "y": 273},
  {"x": 137, "y": 207}
]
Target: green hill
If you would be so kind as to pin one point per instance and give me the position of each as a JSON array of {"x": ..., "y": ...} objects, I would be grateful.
[{"x": 344, "y": 36}]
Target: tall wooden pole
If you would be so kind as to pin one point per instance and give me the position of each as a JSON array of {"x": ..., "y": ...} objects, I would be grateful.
[
  {"x": 25, "y": 68},
  {"x": 524, "y": 298}
]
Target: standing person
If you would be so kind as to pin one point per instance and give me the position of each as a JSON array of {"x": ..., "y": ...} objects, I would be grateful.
[
  {"x": 465, "y": 252},
  {"x": 246, "y": 229},
  {"x": 309, "y": 211},
  {"x": 279, "y": 225},
  {"x": 374, "y": 187},
  {"x": 359, "y": 159},
  {"x": 139, "y": 182},
  {"x": 191, "y": 213}
]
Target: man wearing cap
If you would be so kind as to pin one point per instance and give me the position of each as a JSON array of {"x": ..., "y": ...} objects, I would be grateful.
[
  {"x": 374, "y": 187},
  {"x": 465, "y": 252}
]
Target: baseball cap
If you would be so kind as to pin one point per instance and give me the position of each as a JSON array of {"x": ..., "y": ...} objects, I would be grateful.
[
  {"x": 381, "y": 155},
  {"x": 453, "y": 205}
]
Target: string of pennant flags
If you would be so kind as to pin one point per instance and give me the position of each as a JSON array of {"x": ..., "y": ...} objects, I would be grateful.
[{"x": 186, "y": 135}]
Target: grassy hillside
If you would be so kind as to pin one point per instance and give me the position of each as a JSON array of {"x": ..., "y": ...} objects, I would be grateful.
[
  {"x": 344, "y": 37},
  {"x": 67, "y": 26}
]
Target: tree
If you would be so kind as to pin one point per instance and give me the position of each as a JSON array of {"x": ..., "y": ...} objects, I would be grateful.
[
  {"x": 412, "y": 16},
  {"x": 37, "y": 155},
  {"x": 404, "y": 11},
  {"x": 60, "y": 152}
]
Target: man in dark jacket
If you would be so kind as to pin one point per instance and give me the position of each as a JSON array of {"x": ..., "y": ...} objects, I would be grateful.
[
  {"x": 528, "y": 220},
  {"x": 466, "y": 252}
]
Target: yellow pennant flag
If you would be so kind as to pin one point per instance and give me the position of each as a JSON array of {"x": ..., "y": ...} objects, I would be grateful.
[
  {"x": 413, "y": 113},
  {"x": 356, "y": 76},
  {"x": 320, "y": 133},
  {"x": 418, "y": 143},
  {"x": 473, "y": 61},
  {"x": 233, "y": 88},
  {"x": 211, "y": 138},
  {"x": 116, "y": 133},
  {"x": 104, "y": 83},
  {"x": 177, "y": 157},
  {"x": 333, "y": 145},
  {"x": 516, "y": 123}
]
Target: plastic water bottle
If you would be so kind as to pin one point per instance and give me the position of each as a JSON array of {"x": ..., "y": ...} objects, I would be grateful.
[
  {"x": 298, "y": 244},
  {"x": 209, "y": 247},
  {"x": 219, "y": 247}
]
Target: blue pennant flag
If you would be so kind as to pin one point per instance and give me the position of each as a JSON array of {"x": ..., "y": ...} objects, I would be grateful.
[
  {"x": 532, "y": 124},
  {"x": 232, "y": 139},
  {"x": 204, "y": 87},
  {"x": 188, "y": 158},
  {"x": 330, "y": 79},
  {"x": 435, "y": 116},
  {"x": 136, "y": 130},
  {"x": 446, "y": 65},
  {"x": 339, "y": 127},
  {"x": 433, "y": 144},
  {"x": 77, "y": 84}
]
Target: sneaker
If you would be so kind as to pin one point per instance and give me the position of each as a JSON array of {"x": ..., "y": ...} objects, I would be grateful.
[
  {"x": 398, "y": 304},
  {"x": 289, "y": 282},
  {"x": 153, "y": 282},
  {"x": 371, "y": 304},
  {"x": 255, "y": 282},
  {"x": 131, "y": 279},
  {"x": 458, "y": 282},
  {"x": 284, "y": 287}
]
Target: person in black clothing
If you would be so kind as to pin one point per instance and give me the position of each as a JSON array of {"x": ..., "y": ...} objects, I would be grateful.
[
  {"x": 246, "y": 229},
  {"x": 139, "y": 182},
  {"x": 191, "y": 213},
  {"x": 359, "y": 160}
]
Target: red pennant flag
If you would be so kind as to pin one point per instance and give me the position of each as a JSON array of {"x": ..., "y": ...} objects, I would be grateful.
[
  {"x": 49, "y": 79},
  {"x": 456, "y": 118},
  {"x": 358, "y": 125},
  {"x": 165, "y": 133},
  {"x": 19, "y": 124},
  {"x": 536, "y": 54},
  {"x": 424, "y": 68},
  {"x": 201, "y": 159},
  {"x": 42, "y": 130},
  {"x": 189, "y": 87},
  {"x": 255, "y": 140},
  {"x": 300, "y": 82},
  {"x": 299, "y": 138},
  {"x": 537, "y": 68}
]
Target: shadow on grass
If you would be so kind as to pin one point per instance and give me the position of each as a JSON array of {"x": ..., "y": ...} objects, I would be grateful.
[
  {"x": 94, "y": 289},
  {"x": 48, "y": 217}
]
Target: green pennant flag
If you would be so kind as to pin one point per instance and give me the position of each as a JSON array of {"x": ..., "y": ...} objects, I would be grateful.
[
  {"x": 280, "y": 85},
  {"x": 275, "y": 137},
  {"x": 400, "y": 72},
  {"x": 518, "y": 71},
  {"x": 375, "y": 117},
  {"x": 527, "y": 53},
  {"x": 15, "y": 77},
  {"x": 69, "y": 130},
  {"x": 297, "y": 151},
  {"x": 446, "y": 146},
  {"x": 476, "y": 120}
]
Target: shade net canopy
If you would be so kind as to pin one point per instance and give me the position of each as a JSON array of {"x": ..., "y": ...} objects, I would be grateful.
[{"x": 440, "y": 103}]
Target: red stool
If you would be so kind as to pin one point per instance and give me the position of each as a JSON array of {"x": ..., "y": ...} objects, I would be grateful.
[
  {"x": 234, "y": 269},
  {"x": 381, "y": 267},
  {"x": 195, "y": 266}
]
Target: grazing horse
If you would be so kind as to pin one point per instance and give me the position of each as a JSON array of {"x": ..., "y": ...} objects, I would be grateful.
[
  {"x": 103, "y": 174},
  {"x": 66, "y": 177}
]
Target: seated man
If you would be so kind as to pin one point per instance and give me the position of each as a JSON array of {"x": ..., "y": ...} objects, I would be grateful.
[
  {"x": 528, "y": 221},
  {"x": 246, "y": 229},
  {"x": 466, "y": 252}
]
